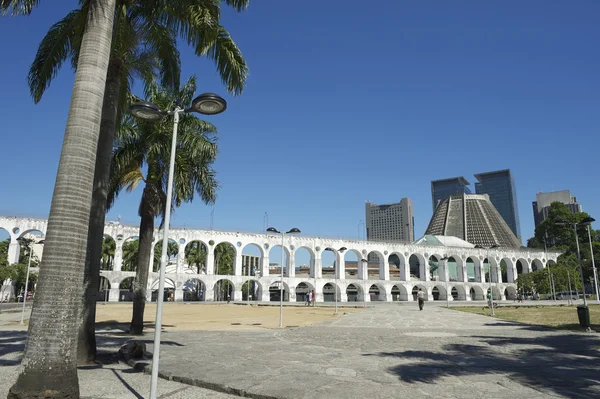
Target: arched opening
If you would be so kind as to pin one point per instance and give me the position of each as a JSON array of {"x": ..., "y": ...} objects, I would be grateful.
[
  {"x": 196, "y": 255},
  {"x": 29, "y": 243},
  {"x": 251, "y": 290},
  {"x": 103, "y": 289},
  {"x": 328, "y": 259},
  {"x": 415, "y": 291},
  {"x": 396, "y": 265},
  {"x": 458, "y": 293},
  {"x": 168, "y": 294},
  {"x": 401, "y": 293},
  {"x": 275, "y": 291},
  {"x": 329, "y": 292},
  {"x": 434, "y": 268},
  {"x": 252, "y": 261},
  {"x": 536, "y": 265},
  {"x": 376, "y": 293},
  {"x": 495, "y": 291},
  {"x": 522, "y": 266},
  {"x": 302, "y": 290},
  {"x": 130, "y": 254},
  {"x": 453, "y": 272},
  {"x": 304, "y": 260},
  {"x": 109, "y": 246},
  {"x": 510, "y": 293},
  {"x": 194, "y": 290},
  {"x": 224, "y": 254},
  {"x": 376, "y": 264},
  {"x": 477, "y": 293},
  {"x": 172, "y": 250},
  {"x": 4, "y": 244},
  {"x": 415, "y": 264},
  {"x": 354, "y": 293},
  {"x": 471, "y": 269},
  {"x": 507, "y": 271},
  {"x": 223, "y": 290},
  {"x": 352, "y": 260},
  {"x": 126, "y": 290},
  {"x": 439, "y": 293}
]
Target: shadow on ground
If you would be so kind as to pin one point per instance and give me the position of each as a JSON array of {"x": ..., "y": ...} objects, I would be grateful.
[{"x": 564, "y": 364}]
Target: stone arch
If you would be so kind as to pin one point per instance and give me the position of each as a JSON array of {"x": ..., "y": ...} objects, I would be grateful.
[
  {"x": 536, "y": 265},
  {"x": 194, "y": 290},
  {"x": 103, "y": 289},
  {"x": 172, "y": 251},
  {"x": 34, "y": 236},
  {"x": 415, "y": 290},
  {"x": 126, "y": 289},
  {"x": 169, "y": 293},
  {"x": 433, "y": 267},
  {"x": 275, "y": 291},
  {"x": 495, "y": 291},
  {"x": 507, "y": 270},
  {"x": 354, "y": 293},
  {"x": 109, "y": 249},
  {"x": 397, "y": 265},
  {"x": 522, "y": 266},
  {"x": 302, "y": 290},
  {"x": 225, "y": 254},
  {"x": 472, "y": 266},
  {"x": 455, "y": 268},
  {"x": 304, "y": 260},
  {"x": 129, "y": 253},
  {"x": 330, "y": 291},
  {"x": 224, "y": 290},
  {"x": 275, "y": 257},
  {"x": 399, "y": 292},
  {"x": 377, "y": 293},
  {"x": 195, "y": 255},
  {"x": 352, "y": 259},
  {"x": 376, "y": 257},
  {"x": 251, "y": 290},
  {"x": 417, "y": 264},
  {"x": 439, "y": 292},
  {"x": 510, "y": 292},
  {"x": 458, "y": 292},
  {"x": 476, "y": 293}
]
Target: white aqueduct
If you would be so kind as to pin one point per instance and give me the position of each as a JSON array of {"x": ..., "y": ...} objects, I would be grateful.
[{"x": 401, "y": 286}]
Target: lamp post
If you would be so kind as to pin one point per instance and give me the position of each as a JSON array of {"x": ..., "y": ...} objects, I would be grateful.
[
  {"x": 22, "y": 239},
  {"x": 365, "y": 263},
  {"x": 585, "y": 316},
  {"x": 207, "y": 104},
  {"x": 292, "y": 231},
  {"x": 446, "y": 278},
  {"x": 335, "y": 272},
  {"x": 593, "y": 265}
]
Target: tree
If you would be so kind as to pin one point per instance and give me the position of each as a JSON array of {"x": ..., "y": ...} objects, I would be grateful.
[
  {"x": 143, "y": 146},
  {"x": 130, "y": 255},
  {"x": 224, "y": 259},
  {"x": 109, "y": 247},
  {"x": 195, "y": 255},
  {"x": 172, "y": 249},
  {"x": 4, "y": 252},
  {"x": 49, "y": 363}
]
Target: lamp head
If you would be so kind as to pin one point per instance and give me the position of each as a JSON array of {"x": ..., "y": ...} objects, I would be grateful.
[
  {"x": 273, "y": 230},
  {"x": 342, "y": 249},
  {"x": 294, "y": 231},
  {"x": 561, "y": 221},
  {"x": 588, "y": 220},
  {"x": 146, "y": 110},
  {"x": 209, "y": 104}
]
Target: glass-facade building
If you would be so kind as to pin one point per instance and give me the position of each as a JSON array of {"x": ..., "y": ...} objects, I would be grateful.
[
  {"x": 442, "y": 189},
  {"x": 500, "y": 187}
]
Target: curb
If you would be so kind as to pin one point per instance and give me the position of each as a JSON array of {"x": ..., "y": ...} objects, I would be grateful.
[{"x": 146, "y": 367}]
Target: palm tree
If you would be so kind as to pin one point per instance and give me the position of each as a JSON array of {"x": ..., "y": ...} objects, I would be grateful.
[
  {"x": 50, "y": 359},
  {"x": 224, "y": 259},
  {"x": 143, "y": 146},
  {"x": 172, "y": 250},
  {"x": 195, "y": 255},
  {"x": 130, "y": 255},
  {"x": 109, "y": 247}
]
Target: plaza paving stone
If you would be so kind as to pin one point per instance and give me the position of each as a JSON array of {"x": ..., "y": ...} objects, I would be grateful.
[{"x": 390, "y": 351}]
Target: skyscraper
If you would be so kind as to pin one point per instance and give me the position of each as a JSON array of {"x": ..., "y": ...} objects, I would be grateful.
[
  {"x": 441, "y": 189},
  {"x": 500, "y": 187},
  {"x": 390, "y": 222},
  {"x": 541, "y": 207}
]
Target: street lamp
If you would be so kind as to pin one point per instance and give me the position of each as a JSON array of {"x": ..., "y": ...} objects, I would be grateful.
[
  {"x": 207, "y": 104},
  {"x": 335, "y": 269},
  {"x": 446, "y": 277},
  {"x": 23, "y": 239},
  {"x": 292, "y": 231},
  {"x": 593, "y": 265},
  {"x": 365, "y": 263},
  {"x": 584, "y": 320}
]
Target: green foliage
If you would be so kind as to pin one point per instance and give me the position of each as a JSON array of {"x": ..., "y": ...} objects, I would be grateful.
[
  {"x": 109, "y": 247},
  {"x": 130, "y": 255},
  {"x": 18, "y": 274},
  {"x": 172, "y": 249},
  {"x": 4, "y": 252},
  {"x": 224, "y": 258},
  {"x": 560, "y": 273},
  {"x": 196, "y": 255}
]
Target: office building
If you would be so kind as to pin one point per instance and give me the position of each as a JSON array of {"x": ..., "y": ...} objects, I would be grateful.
[
  {"x": 391, "y": 222},
  {"x": 541, "y": 206},
  {"x": 250, "y": 263},
  {"x": 442, "y": 189},
  {"x": 472, "y": 218},
  {"x": 500, "y": 187}
]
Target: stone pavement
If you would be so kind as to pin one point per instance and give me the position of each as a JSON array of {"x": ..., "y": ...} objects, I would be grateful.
[{"x": 389, "y": 351}]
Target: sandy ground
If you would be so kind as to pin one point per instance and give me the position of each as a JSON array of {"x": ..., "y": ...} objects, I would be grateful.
[{"x": 177, "y": 316}]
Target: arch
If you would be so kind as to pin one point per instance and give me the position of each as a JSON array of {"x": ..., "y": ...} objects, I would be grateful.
[
  {"x": 223, "y": 290},
  {"x": 302, "y": 290},
  {"x": 434, "y": 268},
  {"x": 109, "y": 247},
  {"x": 522, "y": 266},
  {"x": 275, "y": 291},
  {"x": 396, "y": 264},
  {"x": 32, "y": 238},
  {"x": 377, "y": 258},
  {"x": 495, "y": 291},
  {"x": 330, "y": 291},
  {"x": 458, "y": 292},
  {"x": 354, "y": 293},
  {"x": 536, "y": 265},
  {"x": 275, "y": 260},
  {"x": 455, "y": 268},
  {"x": 472, "y": 266},
  {"x": 416, "y": 263},
  {"x": 195, "y": 256},
  {"x": 130, "y": 250},
  {"x": 172, "y": 251},
  {"x": 399, "y": 293},
  {"x": 304, "y": 260},
  {"x": 251, "y": 290},
  {"x": 415, "y": 290},
  {"x": 103, "y": 289},
  {"x": 169, "y": 293},
  {"x": 510, "y": 293},
  {"x": 126, "y": 289},
  {"x": 352, "y": 259},
  {"x": 439, "y": 293},
  {"x": 224, "y": 259},
  {"x": 507, "y": 270},
  {"x": 194, "y": 290},
  {"x": 476, "y": 293},
  {"x": 377, "y": 293}
]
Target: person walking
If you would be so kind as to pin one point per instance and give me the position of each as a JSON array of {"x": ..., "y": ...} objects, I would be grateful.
[
  {"x": 308, "y": 298},
  {"x": 421, "y": 298},
  {"x": 314, "y": 298}
]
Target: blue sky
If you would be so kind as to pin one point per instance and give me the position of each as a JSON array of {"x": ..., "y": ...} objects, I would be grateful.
[{"x": 350, "y": 101}]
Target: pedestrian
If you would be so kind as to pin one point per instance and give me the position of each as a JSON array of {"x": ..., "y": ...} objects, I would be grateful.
[
  {"x": 314, "y": 298},
  {"x": 308, "y": 298},
  {"x": 421, "y": 298}
]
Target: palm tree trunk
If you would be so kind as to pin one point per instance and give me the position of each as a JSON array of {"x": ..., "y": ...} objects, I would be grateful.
[
  {"x": 49, "y": 366},
  {"x": 86, "y": 352},
  {"x": 145, "y": 256}
]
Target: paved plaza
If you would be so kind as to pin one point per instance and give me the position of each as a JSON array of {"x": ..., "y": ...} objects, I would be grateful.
[{"x": 385, "y": 351}]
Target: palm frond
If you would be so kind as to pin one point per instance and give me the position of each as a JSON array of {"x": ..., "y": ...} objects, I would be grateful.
[
  {"x": 17, "y": 7},
  {"x": 238, "y": 5}
]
